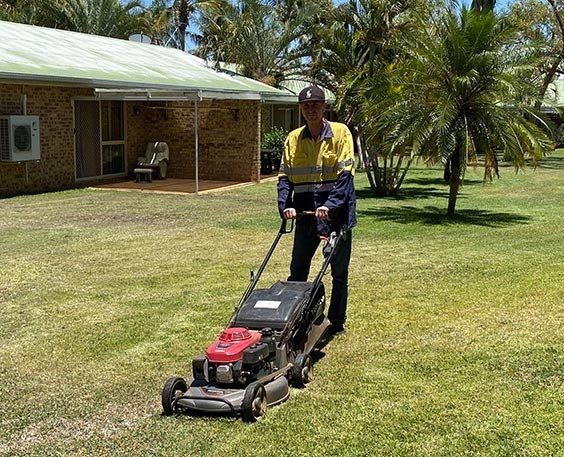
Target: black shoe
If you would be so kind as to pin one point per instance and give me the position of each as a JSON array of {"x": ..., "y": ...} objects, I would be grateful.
[{"x": 337, "y": 329}]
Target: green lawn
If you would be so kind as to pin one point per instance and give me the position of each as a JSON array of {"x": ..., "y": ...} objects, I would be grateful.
[{"x": 455, "y": 342}]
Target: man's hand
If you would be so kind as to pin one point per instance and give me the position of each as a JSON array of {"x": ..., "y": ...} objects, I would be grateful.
[
  {"x": 322, "y": 212},
  {"x": 289, "y": 213}
]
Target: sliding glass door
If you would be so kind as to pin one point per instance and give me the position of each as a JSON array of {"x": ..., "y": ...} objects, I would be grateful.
[{"x": 99, "y": 138}]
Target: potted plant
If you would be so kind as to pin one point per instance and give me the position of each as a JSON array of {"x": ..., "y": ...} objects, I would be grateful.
[{"x": 272, "y": 146}]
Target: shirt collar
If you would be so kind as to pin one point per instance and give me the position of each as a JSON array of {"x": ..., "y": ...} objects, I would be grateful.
[{"x": 326, "y": 131}]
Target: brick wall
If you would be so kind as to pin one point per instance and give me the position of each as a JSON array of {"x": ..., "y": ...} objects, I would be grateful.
[
  {"x": 228, "y": 137},
  {"x": 55, "y": 170},
  {"x": 265, "y": 116}
]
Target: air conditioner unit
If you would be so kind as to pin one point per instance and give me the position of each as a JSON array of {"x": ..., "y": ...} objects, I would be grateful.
[{"x": 19, "y": 138}]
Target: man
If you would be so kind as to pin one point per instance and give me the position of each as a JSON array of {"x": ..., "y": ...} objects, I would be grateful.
[{"x": 316, "y": 174}]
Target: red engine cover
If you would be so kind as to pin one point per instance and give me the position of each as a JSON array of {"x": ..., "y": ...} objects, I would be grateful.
[{"x": 229, "y": 347}]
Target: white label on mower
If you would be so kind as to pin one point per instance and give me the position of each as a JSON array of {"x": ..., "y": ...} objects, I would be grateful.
[{"x": 267, "y": 304}]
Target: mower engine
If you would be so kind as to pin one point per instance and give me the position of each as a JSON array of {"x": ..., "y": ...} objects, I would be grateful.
[{"x": 238, "y": 356}]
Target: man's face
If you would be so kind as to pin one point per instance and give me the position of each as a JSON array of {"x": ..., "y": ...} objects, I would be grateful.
[{"x": 312, "y": 111}]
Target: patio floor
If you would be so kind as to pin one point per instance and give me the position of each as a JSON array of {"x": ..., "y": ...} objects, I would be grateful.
[{"x": 173, "y": 185}]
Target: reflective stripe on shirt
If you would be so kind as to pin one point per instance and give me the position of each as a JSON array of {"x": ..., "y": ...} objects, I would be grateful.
[
  {"x": 306, "y": 171},
  {"x": 313, "y": 187}
]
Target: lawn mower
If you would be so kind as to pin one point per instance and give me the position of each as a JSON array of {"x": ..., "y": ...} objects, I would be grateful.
[{"x": 265, "y": 348}]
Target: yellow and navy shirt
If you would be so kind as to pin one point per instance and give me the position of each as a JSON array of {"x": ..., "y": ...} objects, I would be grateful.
[{"x": 319, "y": 173}]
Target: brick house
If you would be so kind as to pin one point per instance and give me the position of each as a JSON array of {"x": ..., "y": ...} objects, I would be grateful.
[{"x": 101, "y": 100}]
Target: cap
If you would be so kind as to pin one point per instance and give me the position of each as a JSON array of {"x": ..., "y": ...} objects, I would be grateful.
[{"x": 311, "y": 93}]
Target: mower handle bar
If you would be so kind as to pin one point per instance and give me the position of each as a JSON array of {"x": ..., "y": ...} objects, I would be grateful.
[
  {"x": 334, "y": 240},
  {"x": 284, "y": 230},
  {"x": 283, "y": 225}
]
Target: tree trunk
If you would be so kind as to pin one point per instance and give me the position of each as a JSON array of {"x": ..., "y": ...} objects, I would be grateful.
[
  {"x": 365, "y": 159},
  {"x": 183, "y": 14},
  {"x": 455, "y": 172},
  {"x": 550, "y": 74}
]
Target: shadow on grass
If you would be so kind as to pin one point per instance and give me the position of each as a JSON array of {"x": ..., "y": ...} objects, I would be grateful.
[
  {"x": 432, "y": 215},
  {"x": 405, "y": 193},
  {"x": 426, "y": 191},
  {"x": 554, "y": 163},
  {"x": 438, "y": 182}
]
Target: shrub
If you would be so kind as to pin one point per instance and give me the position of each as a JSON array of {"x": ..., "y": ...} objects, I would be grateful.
[
  {"x": 559, "y": 136},
  {"x": 274, "y": 139}
]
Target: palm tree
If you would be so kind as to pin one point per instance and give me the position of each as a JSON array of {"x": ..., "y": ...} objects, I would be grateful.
[
  {"x": 183, "y": 12},
  {"x": 483, "y": 5},
  {"x": 24, "y": 12},
  {"x": 263, "y": 40},
  {"x": 363, "y": 41},
  {"x": 158, "y": 22},
  {"x": 461, "y": 95},
  {"x": 98, "y": 17}
]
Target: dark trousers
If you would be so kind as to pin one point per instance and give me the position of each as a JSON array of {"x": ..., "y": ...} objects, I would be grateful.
[{"x": 306, "y": 241}]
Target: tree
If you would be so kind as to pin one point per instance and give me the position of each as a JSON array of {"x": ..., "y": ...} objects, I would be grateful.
[
  {"x": 158, "y": 17},
  {"x": 541, "y": 24},
  {"x": 23, "y": 11},
  {"x": 184, "y": 11},
  {"x": 98, "y": 17},
  {"x": 362, "y": 42},
  {"x": 483, "y": 5},
  {"x": 462, "y": 95},
  {"x": 264, "y": 41}
]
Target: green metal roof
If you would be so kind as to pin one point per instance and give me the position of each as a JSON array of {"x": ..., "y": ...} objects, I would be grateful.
[
  {"x": 296, "y": 85},
  {"x": 289, "y": 90},
  {"x": 30, "y": 53}
]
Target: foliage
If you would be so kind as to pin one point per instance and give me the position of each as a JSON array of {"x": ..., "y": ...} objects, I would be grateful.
[
  {"x": 483, "y": 5},
  {"x": 183, "y": 12},
  {"x": 158, "y": 22},
  {"x": 559, "y": 136},
  {"x": 274, "y": 139},
  {"x": 362, "y": 39},
  {"x": 540, "y": 25},
  {"x": 461, "y": 95},
  {"x": 265, "y": 42},
  {"x": 99, "y": 17}
]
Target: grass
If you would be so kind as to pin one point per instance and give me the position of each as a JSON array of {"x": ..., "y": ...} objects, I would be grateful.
[{"x": 455, "y": 343}]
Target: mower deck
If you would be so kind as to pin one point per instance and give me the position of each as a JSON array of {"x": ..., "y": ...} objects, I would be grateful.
[{"x": 209, "y": 399}]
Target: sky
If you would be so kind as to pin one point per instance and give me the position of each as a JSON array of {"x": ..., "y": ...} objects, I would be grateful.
[{"x": 499, "y": 3}]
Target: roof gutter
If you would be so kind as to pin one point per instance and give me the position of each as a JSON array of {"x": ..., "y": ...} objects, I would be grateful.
[
  {"x": 145, "y": 95},
  {"x": 133, "y": 89},
  {"x": 162, "y": 95},
  {"x": 286, "y": 99}
]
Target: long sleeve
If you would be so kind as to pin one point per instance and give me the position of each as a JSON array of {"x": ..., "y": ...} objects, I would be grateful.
[
  {"x": 341, "y": 193},
  {"x": 344, "y": 187},
  {"x": 285, "y": 190}
]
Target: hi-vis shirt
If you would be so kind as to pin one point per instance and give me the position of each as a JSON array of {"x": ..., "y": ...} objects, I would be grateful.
[{"x": 319, "y": 173}]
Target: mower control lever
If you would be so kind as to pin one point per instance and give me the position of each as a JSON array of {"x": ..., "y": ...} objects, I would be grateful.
[{"x": 330, "y": 244}]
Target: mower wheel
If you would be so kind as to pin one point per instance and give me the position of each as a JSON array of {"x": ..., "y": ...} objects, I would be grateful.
[
  {"x": 302, "y": 371},
  {"x": 174, "y": 387},
  {"x": 253, "y": 407}
]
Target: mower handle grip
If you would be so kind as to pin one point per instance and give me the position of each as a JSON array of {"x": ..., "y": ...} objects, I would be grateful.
[{"x": 283, "y": 226}]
